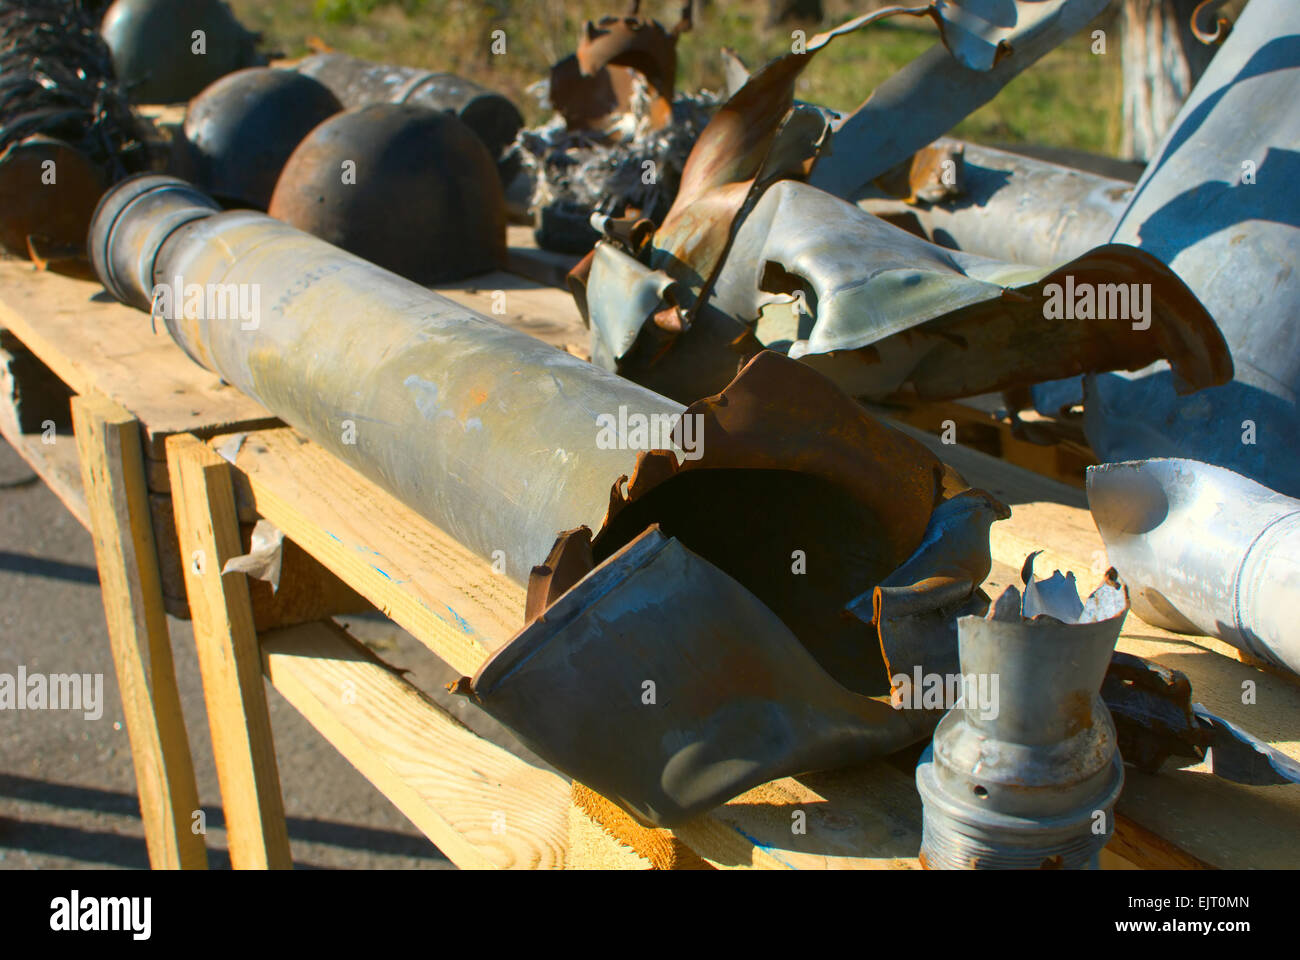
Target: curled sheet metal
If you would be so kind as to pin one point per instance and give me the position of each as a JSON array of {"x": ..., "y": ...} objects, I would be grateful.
[
  {"x": 1219, "y": 205},
  {"x": 914, "y": 610},
  {"x": 1204, "y": 551},
  {"x": 884, "y": 313},
  {"x": 989, "y": 42},
  {"x": 666, "y": 686},
  {"x": 1242, "y": 757},
  {"x": 756, "y": 137},
  {"x": 1019, "y": 770},
  {"x": 819, "y": 485},
  {"x": 614, "y": 55},
  {"x": 1014, "y": 208}
]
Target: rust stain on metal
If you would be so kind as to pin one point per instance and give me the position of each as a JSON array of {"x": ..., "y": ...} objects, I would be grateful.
[{"x": 599, "y": 80}]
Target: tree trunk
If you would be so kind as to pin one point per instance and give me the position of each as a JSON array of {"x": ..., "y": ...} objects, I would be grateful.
[{"x": 1162, "y": 60}]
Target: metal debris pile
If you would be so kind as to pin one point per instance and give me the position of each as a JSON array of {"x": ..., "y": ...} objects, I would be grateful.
[
  {"x": 576, "y": 173},
  {"x": 780, "y": 564}
]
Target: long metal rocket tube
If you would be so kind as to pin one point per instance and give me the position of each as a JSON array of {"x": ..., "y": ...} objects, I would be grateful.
[{"x": 484, "y": 430}]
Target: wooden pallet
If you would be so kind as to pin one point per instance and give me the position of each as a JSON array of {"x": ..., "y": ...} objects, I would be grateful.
[{"x": 482, "y": 805}]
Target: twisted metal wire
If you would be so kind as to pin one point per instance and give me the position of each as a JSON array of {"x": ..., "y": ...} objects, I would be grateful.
[{"x": 56, "y": 78}]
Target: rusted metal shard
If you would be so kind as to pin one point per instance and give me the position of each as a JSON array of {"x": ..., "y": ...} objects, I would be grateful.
[
  {"x": 423, "y": 197},
  {"x": 1019, "y": 770},
  {"x": 599, "y": 81},
  {"x": 50, "y": 215},
  {"x": 1008, "y": 206},
  {"x": 884, "y": 313},
  {"x": 989, "y": 42},
  {"x": 359, "y": 83},
  {"x": 1219, "y": 205},
  {"x": 241, "y": 130},
  {"x": 757, "y": 137},
  {"x": 1205, "y": 551},
  {"x": 1152, "y": 708}
]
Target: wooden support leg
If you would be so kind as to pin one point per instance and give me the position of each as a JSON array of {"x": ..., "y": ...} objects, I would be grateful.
[
  {"x": 112, "y": 469},
  {"x": 207, "y": 527}
]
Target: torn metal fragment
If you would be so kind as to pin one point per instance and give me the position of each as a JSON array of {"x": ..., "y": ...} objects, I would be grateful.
[
  {"x": 597, "y": 83},
  {"x": 988, "y": 43},
  {"x": 666, "y": 686},
  {"x": 1152, "y": 708},
  {"x": 1024, "y": 772},
  {"x": 1205, "y": 551},
  {"x": 884, "y": 313},
  {"x": 1242, "y": 757}
]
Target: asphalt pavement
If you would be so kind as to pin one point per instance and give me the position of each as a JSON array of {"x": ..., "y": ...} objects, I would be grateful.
[{"x": 67, "y": 788}]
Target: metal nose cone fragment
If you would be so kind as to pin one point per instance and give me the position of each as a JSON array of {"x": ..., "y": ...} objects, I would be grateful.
[
  {"x": 666, "y": 686},
  {"x": 1024, "y": 772},
  {"x": 1205, "y": 550}
]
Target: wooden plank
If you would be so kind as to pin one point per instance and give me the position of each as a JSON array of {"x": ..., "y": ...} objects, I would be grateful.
[
  {"x": 207, "y": 527},
  {"x": 92, "y": 343},
  {"x": 35, "y": 420},
  {"x": 55, "y": 463},
  {"x": 527, "y": 259},
  {"x": 419, "y": 576},
  {"x": 113, "y": 475},
  {"x": 544, "y": 312},
  {"x": 481, "y": 805},
  {"x": 863, "y": 818}
]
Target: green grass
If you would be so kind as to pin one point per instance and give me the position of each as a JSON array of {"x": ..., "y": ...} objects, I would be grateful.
[{"x": 1070, "y": 98}]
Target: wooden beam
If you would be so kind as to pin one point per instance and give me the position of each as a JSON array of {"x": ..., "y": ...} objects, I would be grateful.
[
  {"x": 112, "y": 467},
  {"x": 207, "y": 528},
  {"x": 483, "y": 806},
  {"x": 429, "y": 583}
]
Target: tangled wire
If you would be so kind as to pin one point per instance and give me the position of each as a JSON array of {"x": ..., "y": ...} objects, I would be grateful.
[
  {"x": 578, "y": 172},
  {"x": 56, "y": 79}
]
